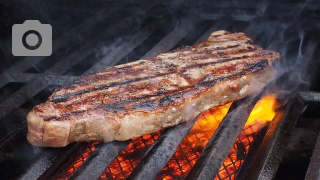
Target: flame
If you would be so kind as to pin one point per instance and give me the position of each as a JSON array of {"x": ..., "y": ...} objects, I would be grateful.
[
  {"x": 263, "y": 111},
  {"x": 191, "y": 147}
]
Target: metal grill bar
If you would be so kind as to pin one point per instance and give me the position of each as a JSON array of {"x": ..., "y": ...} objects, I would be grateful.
[
  {"x": 270, "y": 152},
  {"x": 222, "y": 141},
  {"x": 59, "y": 161},
  {"x": 250, "y": 156},
  {"x": 168, "y": 42},
  {"x": 113, "y": 57},
  {"x": 158, "y": 156},
  {"x": 313, "y": 171},
  {"x": 48, "y": 160},
  {"x": 310, "y": 96},
  {"x": 99, "y": 160},
  {"x": 222, "y": 23}
]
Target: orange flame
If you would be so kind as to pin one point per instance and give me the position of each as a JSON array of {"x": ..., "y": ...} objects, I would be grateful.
[
  {"x": 263, "y": 111},
  {"x": 191, "y": 147}
]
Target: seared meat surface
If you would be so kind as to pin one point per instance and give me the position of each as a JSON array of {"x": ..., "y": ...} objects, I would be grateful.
[{"x": 144, "y": 96}]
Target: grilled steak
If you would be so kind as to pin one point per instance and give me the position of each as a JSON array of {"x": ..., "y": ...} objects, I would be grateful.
[{"x": 144, "y": 96}]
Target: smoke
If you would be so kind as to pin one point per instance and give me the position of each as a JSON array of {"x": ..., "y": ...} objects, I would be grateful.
[
  {"x": 294, "y": 34},
  {"x": 297, "y": 67}
]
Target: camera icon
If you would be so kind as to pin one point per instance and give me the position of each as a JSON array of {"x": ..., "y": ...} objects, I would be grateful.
[{"x": 31, "y": 39}]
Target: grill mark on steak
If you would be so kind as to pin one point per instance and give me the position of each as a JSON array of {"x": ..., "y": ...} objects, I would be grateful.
[
  {"x": 93, "y": 95},
  {"x": 251, "y": 69},
  {"x": 64, "y": 97},
  {"x": 164, "y": 99}
]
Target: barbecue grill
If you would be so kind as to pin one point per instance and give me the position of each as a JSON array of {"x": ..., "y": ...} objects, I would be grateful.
[{"x": 88, "y": 37}]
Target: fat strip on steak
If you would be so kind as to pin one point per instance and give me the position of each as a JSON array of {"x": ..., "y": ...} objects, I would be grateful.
[{"x": 144, "y": 96}]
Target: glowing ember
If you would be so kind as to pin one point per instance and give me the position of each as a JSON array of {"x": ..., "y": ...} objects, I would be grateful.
[
  {"x": 191, "y": 147},
  {"x": 129, "y": 158},
  {"x": 68, "y": 170}
]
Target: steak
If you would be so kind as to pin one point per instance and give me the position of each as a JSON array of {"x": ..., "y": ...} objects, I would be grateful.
[{"x": 147, "y": 95}]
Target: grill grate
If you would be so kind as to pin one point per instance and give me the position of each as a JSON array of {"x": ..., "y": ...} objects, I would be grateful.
[
  {"x": 183, "y": 159},
  {"x": 120, "y": 32},
  {"x": 77, "y": 159},
  {"x": 129, "y": 158}
]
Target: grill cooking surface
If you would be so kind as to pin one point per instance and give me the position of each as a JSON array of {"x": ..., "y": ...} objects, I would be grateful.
[{"x": 90, "y": 37}]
